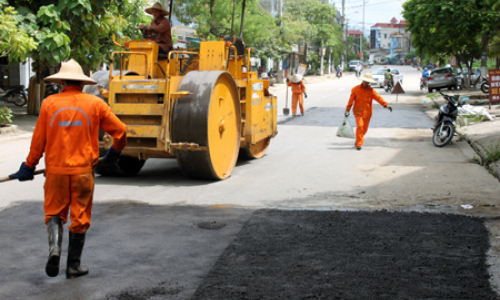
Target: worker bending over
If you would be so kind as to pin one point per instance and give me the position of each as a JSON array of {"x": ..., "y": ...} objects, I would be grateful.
[{"x": 67, "y": 131}]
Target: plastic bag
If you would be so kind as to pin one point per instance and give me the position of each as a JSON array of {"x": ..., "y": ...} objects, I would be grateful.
[{"x": 345, "y": 130}]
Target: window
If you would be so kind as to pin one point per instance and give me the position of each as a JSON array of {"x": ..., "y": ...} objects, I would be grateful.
[{"x": 385, "y": 35}]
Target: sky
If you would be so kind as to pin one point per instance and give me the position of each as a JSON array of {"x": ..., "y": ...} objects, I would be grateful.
[{"x": 376, "y": 11}]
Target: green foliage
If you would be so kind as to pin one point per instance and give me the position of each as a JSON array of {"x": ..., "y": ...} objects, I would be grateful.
[
  {"x": 80, "y": 29},
  {"x": 5, "y": 116},
  {"x": 15, "y": 41},
  {"x": 303, "y": 22},
  {"x": 442, "y": 28},
  {"x": 493, "y": 152}
]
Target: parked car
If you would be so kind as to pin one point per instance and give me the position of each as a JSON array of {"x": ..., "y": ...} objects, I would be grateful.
[
  {"x": 446, "y": 77},
  {"x": 378, "y": 75},
  {"x": 353, "y": 64}
]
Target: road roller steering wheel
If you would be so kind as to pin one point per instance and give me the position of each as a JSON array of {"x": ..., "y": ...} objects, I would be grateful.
[
  {"x": 142, "y": 32},
  {"x": 221, "y": 31}
]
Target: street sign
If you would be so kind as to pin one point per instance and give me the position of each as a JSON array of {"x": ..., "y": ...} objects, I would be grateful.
[
  {"x": 494, "y": 76},
  {"x": 302, "y": 69}
]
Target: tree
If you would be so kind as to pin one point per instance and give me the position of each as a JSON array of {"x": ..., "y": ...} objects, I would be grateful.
[
  {"x": 80, "y": 29},
  {"x": 442, "y": 28},
  {"x": 15, "y": 42}
]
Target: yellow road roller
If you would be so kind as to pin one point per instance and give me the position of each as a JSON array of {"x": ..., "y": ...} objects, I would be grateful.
[{"x": 201, "y": 106}]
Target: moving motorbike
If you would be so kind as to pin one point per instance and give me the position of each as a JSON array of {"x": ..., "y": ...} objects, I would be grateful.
[
  {"x": 388, "y": 86},
  {"x": 339, "y": 74},
  {"x": 14, "y": 94},
  {"x": 446, "y": 120},
  {"x": 423, "y": 83}
]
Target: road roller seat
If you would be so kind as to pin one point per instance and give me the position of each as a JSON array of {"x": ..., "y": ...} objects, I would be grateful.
[{"x": 238, "y": 43}]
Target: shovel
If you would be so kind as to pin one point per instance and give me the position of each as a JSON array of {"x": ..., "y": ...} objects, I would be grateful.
[{"x": 286, "y": 110}]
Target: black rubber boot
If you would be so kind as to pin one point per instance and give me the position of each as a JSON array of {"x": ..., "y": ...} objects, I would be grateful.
[
  {"x": 54, "y": 229},
  {"x": 73, "y": 268}
]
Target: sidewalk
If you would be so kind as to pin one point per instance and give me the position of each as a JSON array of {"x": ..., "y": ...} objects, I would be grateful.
[{"x": 484, "y": 137}]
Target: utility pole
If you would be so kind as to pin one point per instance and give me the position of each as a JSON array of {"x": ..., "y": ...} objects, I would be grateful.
[
  {"x": 363, "y": 31},
  {"x": 345, "y": 31}
]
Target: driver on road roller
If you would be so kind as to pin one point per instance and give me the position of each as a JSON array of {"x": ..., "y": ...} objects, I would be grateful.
[{"x": 161, "y": 25}]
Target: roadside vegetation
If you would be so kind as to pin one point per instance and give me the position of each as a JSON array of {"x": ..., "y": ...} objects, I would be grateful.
[
  {"x": 467, "y": 30},
  {"x": 50, "y": 31}
]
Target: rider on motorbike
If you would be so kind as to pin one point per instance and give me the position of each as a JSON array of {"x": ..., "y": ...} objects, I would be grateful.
[
  {"x": 388, "y": 77},
  {"x": 358, "y": 70},
  {"x": 425, "y": 74},
  {"x": 339, "y": 70}
]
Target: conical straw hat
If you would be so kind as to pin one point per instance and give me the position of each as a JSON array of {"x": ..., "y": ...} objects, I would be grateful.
[
  {"x": 296, "y": 78},
  {"x": 157, "y": 6},
  {"x": 70, "y": 71},
  {"x": 368, "y": 78}
]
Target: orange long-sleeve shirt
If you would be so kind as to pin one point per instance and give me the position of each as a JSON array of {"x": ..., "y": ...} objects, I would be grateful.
[
  {"x": 297, "y": 88},
  {"x": 362, "y": 100},
  {"x": 67, "y": 131}
]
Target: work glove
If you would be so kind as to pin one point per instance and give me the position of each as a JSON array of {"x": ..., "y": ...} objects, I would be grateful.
[
  {"x": 389, "y": 108},
  {"x": 305, "y": 95},
  {"x": 346, "y": 113},
  {"x": 24, "y": 173},
  {"x": 111, "y": 154}
]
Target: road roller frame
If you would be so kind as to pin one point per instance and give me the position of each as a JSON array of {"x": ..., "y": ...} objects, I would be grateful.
[{"x": 201, "y": 106}]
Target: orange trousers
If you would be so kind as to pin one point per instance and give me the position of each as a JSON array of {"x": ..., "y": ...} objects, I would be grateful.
[
  {"x": 362, "y": 123},
  {"x": 72, "y": 193},
  {"x": 297, "y": 98}
]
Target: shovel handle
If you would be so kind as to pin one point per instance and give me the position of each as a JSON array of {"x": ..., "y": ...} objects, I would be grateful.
[{"x": 37, "y": 172}]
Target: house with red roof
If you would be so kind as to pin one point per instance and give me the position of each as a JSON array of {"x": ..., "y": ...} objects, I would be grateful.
[{"x": 381, "y": 34}]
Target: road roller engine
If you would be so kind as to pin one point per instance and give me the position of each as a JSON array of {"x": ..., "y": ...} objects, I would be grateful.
[{"x": 202, "y": 106}]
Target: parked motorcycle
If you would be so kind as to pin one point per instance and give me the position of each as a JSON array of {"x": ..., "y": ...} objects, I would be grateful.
[
  {"x": 446, "y": 120},
  {"x": 485, "y": 86},
  {"x": 423, "y": 83},
  {"x": 388, "y": 86},
  {"x": 14, "y": 94},
  {"x": 51, "y": 89}
]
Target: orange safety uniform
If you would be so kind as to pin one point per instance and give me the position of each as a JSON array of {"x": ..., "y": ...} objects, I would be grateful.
[
  {"x": 297, "y": 90},
  {"x": 363, "y": 109},
  {"x": 67, "y": 132}
]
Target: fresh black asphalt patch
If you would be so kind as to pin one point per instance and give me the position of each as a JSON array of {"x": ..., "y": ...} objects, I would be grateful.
[
  {"x": 139, "y": 251},
  {"x": 353, "y": 255}
]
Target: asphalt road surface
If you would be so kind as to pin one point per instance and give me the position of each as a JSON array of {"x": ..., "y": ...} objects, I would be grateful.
[{"x": 160, "y": 235}]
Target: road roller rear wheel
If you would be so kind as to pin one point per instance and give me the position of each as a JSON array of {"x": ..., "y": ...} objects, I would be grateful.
[
  {"x": 258, "y": 150},
  {"x": 210, "y": 117}
]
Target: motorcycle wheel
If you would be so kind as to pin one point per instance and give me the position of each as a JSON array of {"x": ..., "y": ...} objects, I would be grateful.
[
  {"x": 485, "y": 88},
  {"x": 443, "y": 134},
  {"x": 21, "y": 100}
]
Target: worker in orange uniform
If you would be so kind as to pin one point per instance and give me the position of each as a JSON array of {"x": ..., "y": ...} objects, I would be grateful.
[
  {"x": 362, "y": 96},
  {"x": 160, "y": 24},
  {"x": 298, "y": 88},
  {"x": 67, "y": 131}
]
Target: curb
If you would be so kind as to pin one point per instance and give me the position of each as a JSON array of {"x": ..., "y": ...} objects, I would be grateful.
[
  {"x": 8, "y": 129},
  {"x": 492, "y": 167}
]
